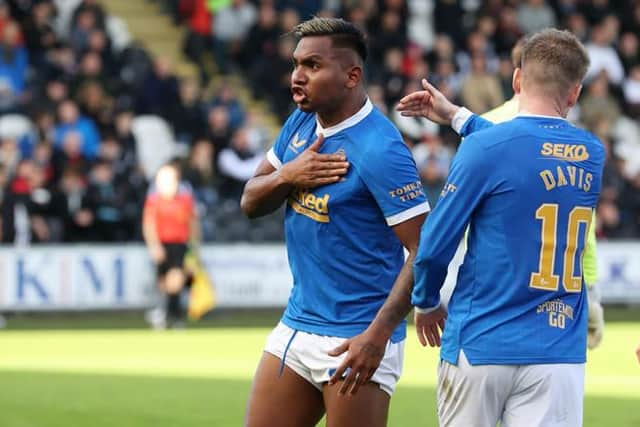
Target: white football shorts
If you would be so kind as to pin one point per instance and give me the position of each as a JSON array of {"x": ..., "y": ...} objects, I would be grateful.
[
  {"x": 544, "y": 395},
  {"x": 308, "y": 355}
]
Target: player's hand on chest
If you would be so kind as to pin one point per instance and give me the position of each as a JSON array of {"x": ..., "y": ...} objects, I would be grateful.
[{"x": 305, "y": 166}]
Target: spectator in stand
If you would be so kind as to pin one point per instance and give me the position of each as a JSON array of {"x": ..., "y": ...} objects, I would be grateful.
[
  {"x": 39, "y": 32},
  {"x": 535, "y": 15},
  {"x": 200, "y": 169},
  {"x": 201, "y": 174},
  {"x": 13, "y": 68},
  {"x": 262, "y": 39},
  {"x": 602, "y": 54},
  {"x": 45, "y": 157},
  {"x": 272, "y": 78},
  {"x": 432, "y": 159},
  {"x": 123, "y": 133},
  {"x": 238, "y": 162},
  {"x": 160, "y": 90},
  {"x": 76, "y": 215},
  {"x": 629, "y": 51},
  {"x": 230, "y": 27},
  {"x": 392, "y": 76},
  {"x": 110, "y": 205},
  {"x": 226, "y": 98},
  {"x": 198, "y": 37},
  {"x": 631, "y": 90},
  {"x": 94, "y": 8},
  {"x": 99, "y": 45},
  {"x": 10, "y": 155},
  {"x": 508, "y": 32},
  {"x": 387, "y": 37},
  {"x": 72, "y": 122},
  {"x": 50, "y": 96},
  {"x": 84, "y": 25},
  {"x": 481, "y": 90},
  {"x": 599, "y": 102},
  {"x": 96, "y": 104},
  {"x": 219, "y": 130},
  {"x": 187, "y": 116},
  {"x": 29, "y": 209}
]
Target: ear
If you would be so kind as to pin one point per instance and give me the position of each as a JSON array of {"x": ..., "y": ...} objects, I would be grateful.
[
  {"x": 574, "y": 95},
  {"x": 516, "y": 80},
  {"x": 354, "y": 76}
]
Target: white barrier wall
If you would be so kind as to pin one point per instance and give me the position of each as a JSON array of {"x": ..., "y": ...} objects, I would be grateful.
[{"x": 116, "y": 277}]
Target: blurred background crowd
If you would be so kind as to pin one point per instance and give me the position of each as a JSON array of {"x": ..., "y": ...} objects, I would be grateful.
[{"x": 87, "y": 114}]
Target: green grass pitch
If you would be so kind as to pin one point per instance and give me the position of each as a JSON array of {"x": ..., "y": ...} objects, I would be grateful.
[{"x": 202, "y": 376}]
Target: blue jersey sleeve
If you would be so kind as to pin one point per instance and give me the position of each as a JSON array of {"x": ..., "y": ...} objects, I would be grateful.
[
  {"x": 467, "y": 184},
  {"x": 276, "y": 154},
  {"x": 392, "y": 178},
  {"x": 474, "y": 124}
]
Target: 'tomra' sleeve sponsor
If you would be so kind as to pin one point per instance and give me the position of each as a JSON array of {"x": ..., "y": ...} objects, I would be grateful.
[
  {"x": 467, "y": 185},
  {"x": 392, "y": 178}
]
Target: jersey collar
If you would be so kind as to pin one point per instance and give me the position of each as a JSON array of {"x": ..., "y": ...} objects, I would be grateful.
[
  {"x": 347, "y": 123},
  {"x": 540, "y": 116}
]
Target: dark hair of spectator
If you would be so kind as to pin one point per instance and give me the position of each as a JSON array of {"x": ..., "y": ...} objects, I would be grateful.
[
  {"x": 554, "y": 60},
  {"x": 343, "y": 33}
]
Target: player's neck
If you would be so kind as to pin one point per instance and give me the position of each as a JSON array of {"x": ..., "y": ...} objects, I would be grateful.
[
  {"x": 541, "y": 106},
  {"x": 351, "y": 106}
]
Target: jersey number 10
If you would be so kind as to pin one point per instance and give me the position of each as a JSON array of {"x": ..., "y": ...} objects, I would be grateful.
[{"x": 544, "y": 278}]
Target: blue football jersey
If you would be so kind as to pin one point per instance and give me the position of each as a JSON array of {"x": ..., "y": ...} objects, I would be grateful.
[
  {"x": 528, "y": 187},
  {"x": 343, "y": 253}
]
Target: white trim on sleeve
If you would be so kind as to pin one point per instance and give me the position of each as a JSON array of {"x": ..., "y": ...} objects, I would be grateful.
[
  {"x": 460, "y": 118},
  {"x": 273, "y": 159},
  {"x": 426, "y": 310},
  {"x": 408, "y": 214}
]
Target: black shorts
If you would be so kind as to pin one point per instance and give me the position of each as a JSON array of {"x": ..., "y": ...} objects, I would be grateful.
[{"x": 175, "y": 253}]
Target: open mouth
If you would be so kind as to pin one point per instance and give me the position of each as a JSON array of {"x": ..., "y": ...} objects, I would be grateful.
[{"x": 299, "y": 96}]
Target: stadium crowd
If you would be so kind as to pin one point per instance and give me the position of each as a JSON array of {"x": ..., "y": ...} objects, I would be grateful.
[{"x": 83, "y": 108}]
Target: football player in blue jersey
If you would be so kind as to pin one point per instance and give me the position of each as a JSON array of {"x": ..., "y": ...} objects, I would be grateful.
[
  {"x": 354, "y": 201},
  {"x": 514, "y": 345}
]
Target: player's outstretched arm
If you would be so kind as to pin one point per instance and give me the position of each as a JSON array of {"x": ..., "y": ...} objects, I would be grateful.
[
  {"x": 268, "y": 189},
  {"x": 365, "y": 351}
]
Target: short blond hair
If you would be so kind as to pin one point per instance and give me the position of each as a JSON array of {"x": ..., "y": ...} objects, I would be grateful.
[{"x": 554, "y": 61}]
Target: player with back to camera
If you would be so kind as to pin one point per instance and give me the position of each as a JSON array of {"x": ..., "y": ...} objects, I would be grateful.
[
  {"x": 514, "y": 346},
  {"x": 508, "y": 111},
  {"x": 353, "y": 199}
]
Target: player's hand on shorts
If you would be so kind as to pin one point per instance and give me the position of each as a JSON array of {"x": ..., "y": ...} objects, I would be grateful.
[
  {"x": 430, "y": 326},
  {"x": 313, "y": 169},
  {"x": 638, "y": 353},
  {"x": 429, "y": 103},
  {"x": 596, "y": 324},
  {"x": 364, "y": 354}
]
